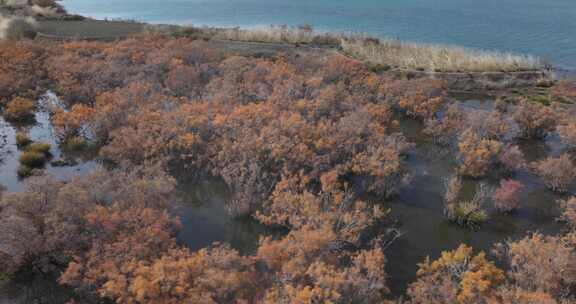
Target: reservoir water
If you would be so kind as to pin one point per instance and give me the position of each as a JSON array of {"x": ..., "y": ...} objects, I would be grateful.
[{"x": 542, "y": 28}]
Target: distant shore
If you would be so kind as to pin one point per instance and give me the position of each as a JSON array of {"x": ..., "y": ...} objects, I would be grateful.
[{"x": 461, "y": 68}]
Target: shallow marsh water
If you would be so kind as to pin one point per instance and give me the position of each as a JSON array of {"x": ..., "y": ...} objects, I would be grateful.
[
  {"x": 418, "y": 208},
  {"x": 40, "y": 130},
  {"x": 205, "y": 220}
]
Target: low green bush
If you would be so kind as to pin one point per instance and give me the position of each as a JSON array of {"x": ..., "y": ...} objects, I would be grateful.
[
  {"x": 62, "y": 163},
  {"x": 25, "y": 171},
  {"x": 377, "y": 68},
  {"x": 39, "y": 147},
  {"x": 468, "y": 214},
  {"x": 19, "y": 109},
  {"x": 74, "y": 143},
  {"x": 22, "y": 140},
  {"x": 33, "y": 159}
]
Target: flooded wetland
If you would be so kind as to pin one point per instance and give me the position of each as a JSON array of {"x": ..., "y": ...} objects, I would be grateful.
[
  {"x": 146, "y": 163},
  {"x": 418, "y": 209}
]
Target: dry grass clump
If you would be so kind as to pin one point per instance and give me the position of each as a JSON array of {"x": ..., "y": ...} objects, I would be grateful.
[
  {"x": 22, "y": 140},
  {"x": 279, "y": 34},
  {"x": 33, "y": 157},
  {"x": 14, "y": 28},
  {"x": 19, "y": 109},
  {"x": 469, "y": 213},
  {"x": 39, "y": 147},
  {"x": 436, "y": 58}
]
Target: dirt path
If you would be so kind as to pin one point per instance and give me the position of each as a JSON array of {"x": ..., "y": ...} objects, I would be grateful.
[{"x": 88, "y": 29}]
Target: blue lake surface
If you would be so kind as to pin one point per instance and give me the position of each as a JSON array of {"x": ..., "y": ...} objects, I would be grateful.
[{"x": 545, "y": 28}]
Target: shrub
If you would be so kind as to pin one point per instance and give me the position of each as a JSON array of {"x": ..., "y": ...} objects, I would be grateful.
[
  {"x": 42, "y": 148},
  {"x": 506, "y": 197},
  {"x": 569, "y": 212},
  {"x": 542, "y": 263},
  {"x": 457, "y": 276},
  {"x": 19, "y": 109},
  {"x": 21, "y": 68},
  {"x": 557, "y": 172},
  {"x": 22, "y": 140},
  {"x": 74, "y": 122},
  {"x": 32, "y": 159},
  {"x": 25, "y": 171},
  {"x": 62, "y": 163},
  {"x": 422, "y": 99},
  {"x": 488, "y": 124},
  {"x": 470, "y": 213},
  {"x": 567, "y": 133},
  {"x": 476, "y": 155},
  {"x": 445, "y": 129},
  {"x": 184, "y": 80},
  {"x": 74, "y": 143},
  {"x": 511, "y": 158},
  {"x": 564, "y": 91},
  {"x": 534, "y": 120},
  {"x": 34, "y": 156},
  {"x": 453, "y": 187}
]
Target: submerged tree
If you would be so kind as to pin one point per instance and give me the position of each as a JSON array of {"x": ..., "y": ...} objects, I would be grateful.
[
  {"x": 558, "y": 173},
  {"x": 477, "y": 155},
  {"x": 456, "y": 277},
  {"x": 506, "y": 197},
  {"x": 541, "y": 263},
  {"x": 534, "y": 119}
]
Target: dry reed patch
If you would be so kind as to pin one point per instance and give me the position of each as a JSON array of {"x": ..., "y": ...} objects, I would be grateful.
[
  {"x": 437, "y": 58},
  {"x": 280, "y": 34}
]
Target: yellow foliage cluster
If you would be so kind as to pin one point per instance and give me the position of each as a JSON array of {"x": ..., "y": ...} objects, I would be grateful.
[
  {"x": 476, "y": 154},
  {"x": 456, "y": 277}
]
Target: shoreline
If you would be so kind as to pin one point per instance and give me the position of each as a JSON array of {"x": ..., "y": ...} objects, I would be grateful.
[
  {"x": 302, "y": 41},
  {"x": 475, "y": 69}
]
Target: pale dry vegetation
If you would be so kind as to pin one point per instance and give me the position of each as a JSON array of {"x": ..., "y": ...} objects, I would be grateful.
[
  {"x": 379, "y": 53},
  {"x": 436, "y": 58},
  {"x": 279, "y": 34}
]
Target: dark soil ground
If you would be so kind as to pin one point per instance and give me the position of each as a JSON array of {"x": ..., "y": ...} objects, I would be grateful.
[{"x": 88, "y": 29}]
